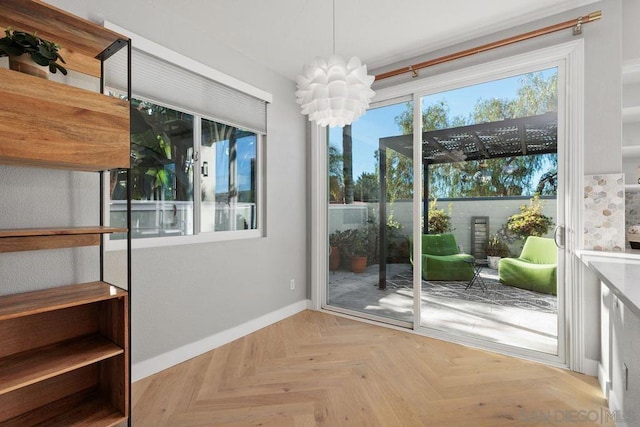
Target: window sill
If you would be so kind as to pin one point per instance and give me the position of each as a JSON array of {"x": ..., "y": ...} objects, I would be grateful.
[{"x": 158, "y": 242}]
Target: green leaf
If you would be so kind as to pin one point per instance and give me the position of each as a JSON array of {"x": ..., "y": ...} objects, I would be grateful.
[
  {"x": 61, "y": 68},
  {"x": 47, "y": 53},
  {"x": 39, "y": 59}
]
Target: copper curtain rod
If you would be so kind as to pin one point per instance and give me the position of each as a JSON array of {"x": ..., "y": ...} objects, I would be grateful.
[{"x": 575, "y": 23}]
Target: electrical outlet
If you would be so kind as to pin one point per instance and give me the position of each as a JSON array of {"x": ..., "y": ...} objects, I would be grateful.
[{"x": 292, "y": 284}]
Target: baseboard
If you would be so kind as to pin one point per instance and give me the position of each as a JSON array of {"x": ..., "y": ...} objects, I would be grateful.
[
  {"x": 614, "y": 409},
  {"x": 603, "y": 379},
  {"x": 166, "y": 360},
  {"x": 591, "y": 367}
]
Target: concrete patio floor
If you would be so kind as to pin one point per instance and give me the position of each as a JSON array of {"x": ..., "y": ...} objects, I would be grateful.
[{"x": 518, "y": 327}]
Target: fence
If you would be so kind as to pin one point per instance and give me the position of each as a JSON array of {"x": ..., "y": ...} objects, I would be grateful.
[{"x": 497, "y": 209}]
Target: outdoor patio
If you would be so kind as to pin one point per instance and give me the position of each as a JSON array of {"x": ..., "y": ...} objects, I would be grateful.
[{"x": 500, "y": 313}]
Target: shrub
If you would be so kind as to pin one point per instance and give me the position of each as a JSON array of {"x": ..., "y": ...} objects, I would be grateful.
[
  {"x": 530, "y": 221},
  {"x": 439, "y": 221}
]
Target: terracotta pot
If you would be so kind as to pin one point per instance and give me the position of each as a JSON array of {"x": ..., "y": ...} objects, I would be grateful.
[
  {"x": 334, "y": 258},
  {"x": 358, "y": 264},
  {"x": 24, "y": 64}
]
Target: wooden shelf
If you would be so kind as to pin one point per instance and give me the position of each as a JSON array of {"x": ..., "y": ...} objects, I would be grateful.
[
  {"x": 630, "y": 151},
  {"x": 631, "y": 114},
  {"x": 49, "y": 124},
  {"x": 81, "y": 40},
  {"x": 26, "y": 368},
  {"x": 24, "y": 232},
  {"x": 85, "y": 408},
  {"x": 30, "y": 239},
  {"x": 631, "y": 71},
  {"x": 28, "y": 303}
]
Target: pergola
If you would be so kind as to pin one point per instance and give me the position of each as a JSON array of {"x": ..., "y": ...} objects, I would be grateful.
[{"x": 506, "y": 138}]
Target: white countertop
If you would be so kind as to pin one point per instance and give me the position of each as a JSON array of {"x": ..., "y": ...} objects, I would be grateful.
[{"x": 620, "y": 273}]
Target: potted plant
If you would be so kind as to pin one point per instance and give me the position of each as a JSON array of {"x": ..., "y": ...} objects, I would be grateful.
[
  {"x": 530, "y": 221},
  {"x": 358, "y": 246},
  {"x": 336, "y": 240},
  {"x": 495, "y": 248},
  {"x": 23, "y": 48}
]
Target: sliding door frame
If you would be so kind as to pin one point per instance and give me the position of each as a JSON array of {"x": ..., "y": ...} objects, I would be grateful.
[{"x": 568, "y": 57}]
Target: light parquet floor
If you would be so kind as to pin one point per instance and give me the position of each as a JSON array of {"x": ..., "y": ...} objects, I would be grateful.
[{"x": 317, "y": 369}]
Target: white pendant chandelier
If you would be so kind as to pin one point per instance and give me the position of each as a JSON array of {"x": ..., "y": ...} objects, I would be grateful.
[{"x": 334, "y": 92}]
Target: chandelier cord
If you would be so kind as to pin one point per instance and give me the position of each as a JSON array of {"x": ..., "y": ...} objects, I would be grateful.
[{"x": 334, "y": 26}]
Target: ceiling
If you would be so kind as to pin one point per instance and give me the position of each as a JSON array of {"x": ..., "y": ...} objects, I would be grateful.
[{"x": 286, "y": 34}]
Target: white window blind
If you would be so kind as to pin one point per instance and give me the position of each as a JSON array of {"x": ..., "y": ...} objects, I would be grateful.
[{"x": 168, "y": 83}]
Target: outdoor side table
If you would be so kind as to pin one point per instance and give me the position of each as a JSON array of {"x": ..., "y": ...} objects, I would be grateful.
[{"x": 478, "y": 265}]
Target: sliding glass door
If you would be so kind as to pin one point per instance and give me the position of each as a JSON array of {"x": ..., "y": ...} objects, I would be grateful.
[
  {"x": 491, "y": 179},
  {"x": 370, "y": 216},
  {"x": 455, "y": 189}
]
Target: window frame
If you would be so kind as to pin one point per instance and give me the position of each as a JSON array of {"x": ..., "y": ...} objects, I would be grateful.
[
  {"x": 148, "y": 46},
  {"x": 198, "y": 236}
]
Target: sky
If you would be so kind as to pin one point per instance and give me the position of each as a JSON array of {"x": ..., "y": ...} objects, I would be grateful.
[{"x": 380, "y": 122}]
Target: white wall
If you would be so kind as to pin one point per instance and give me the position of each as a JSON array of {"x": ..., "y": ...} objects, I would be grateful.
[
  {"x": 631, "y": 29},
  {"x": 181, "y": 294},
  {"x": 498, "y": 210}
]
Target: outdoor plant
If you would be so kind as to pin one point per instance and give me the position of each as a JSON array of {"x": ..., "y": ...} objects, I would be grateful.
[
  {"x": 495, "y": 246},
  {"x": 358, "y": 243},
  {"x": 42, "y": 52},
  {"x": 337, "y": 239},
  {"x": 530, "y": 221},
  {"x": 439, "y": 221}
]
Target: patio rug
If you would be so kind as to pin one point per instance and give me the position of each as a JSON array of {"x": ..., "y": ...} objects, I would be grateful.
[{"x": 496, "y": 293}]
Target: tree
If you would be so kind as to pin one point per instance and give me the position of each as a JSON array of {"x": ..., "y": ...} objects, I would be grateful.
[
  {"x": 367, "y": 187},
  {"x": 399, "y": 173},
  {"x": 347, "y": 164},
  {"x": 501, "y": 176},
  {"x": 335, "y": 174}
]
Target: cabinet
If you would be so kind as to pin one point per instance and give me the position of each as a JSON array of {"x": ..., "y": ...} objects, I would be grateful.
[
  {"x": 64, "y": 353},
  {"x": 619, "y": 372},
  {"x": 631, "y": 124}
]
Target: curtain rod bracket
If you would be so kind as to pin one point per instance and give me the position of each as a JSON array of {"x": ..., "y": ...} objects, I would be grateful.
[
  {"x": 414, "y": 72},
  {"x": 577, "y": 30}
]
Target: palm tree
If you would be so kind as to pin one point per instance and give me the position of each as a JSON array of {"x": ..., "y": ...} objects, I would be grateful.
[{"x": 347, "y": 164}]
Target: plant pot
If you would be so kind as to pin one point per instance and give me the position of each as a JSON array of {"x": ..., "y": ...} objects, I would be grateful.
[
  {"x": 493, "y": 262},
  {"x": 25, "y": 64},
  {"x": 358, "y": 264},
  {"x": 334, "y": 258}
]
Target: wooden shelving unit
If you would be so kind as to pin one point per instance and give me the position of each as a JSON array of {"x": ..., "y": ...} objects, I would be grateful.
[
  {"x": 64, "y": 353},
  {"x": 49, "y": 124},
  {"x": 60, "y": 342},
  {"x": 30, "y": 239}
]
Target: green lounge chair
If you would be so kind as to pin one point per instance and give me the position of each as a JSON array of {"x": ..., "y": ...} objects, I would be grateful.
[
  {"x": 535, "y": 269},
  {"x": 441, "y": 259}
]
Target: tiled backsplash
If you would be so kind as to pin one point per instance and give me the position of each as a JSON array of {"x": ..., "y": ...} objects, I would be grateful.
[{"x": 604, "y": 212}]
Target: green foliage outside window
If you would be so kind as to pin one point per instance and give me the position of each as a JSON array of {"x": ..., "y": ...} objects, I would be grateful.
[
  {"x": 510, "y": 176},
  {"x": 439, "y": 221},
  {"x": 530, "y": 221}
]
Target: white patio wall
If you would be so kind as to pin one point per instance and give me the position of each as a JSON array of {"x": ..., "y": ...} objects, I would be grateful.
[{"x": 342, "y": 217}]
